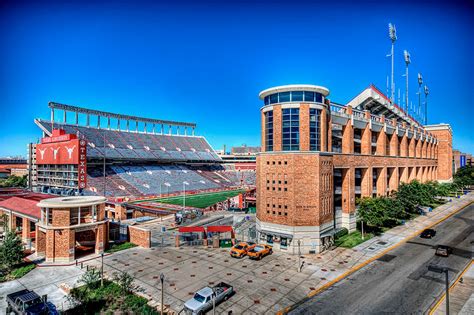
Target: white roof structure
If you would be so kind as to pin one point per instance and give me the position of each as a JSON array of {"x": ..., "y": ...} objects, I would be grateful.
[{"x": 294, "y": 87}]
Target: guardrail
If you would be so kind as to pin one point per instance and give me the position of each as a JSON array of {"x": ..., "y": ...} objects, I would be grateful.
[
  {"x": 376, "y": 118},
  {"x": 358, "y": 114},
  {"x": 340, "y": 110}
]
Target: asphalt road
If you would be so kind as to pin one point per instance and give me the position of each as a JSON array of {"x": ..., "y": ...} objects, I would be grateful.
[{"x": 399, "y": 282}]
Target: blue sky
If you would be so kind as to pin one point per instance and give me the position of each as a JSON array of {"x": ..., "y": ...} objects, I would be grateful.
[{"x": 206, "y": 62}]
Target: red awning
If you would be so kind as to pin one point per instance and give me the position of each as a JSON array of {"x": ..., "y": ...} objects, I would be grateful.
[
  {"x": 191, "y": 229},
  {"x": 220, "y": 228}
]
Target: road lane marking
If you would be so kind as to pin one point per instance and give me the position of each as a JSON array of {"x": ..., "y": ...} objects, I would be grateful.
[{"x": 368, "y": 261}]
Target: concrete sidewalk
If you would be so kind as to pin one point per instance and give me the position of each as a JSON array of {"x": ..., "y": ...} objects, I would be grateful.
[{"x": 461, "y": 295}]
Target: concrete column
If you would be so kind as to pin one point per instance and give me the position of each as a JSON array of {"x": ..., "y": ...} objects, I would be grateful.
[
  {"x": 394, "y": 145},
  {"x": 323, "y": 137},
  {"x": 108, "y": 123},
  {"x": 366, "y": 185},
  {"x": 348, "y": 199},
  {"x": 304, "y": 127},
  {"x": 382, "y": 181},
  {"x": 76, "y": 117},
  {"x": 394, "y": 179}
]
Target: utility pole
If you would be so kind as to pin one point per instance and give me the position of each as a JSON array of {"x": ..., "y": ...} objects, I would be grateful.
[
  {"x": 102, "y": 270},
  {"x": 392, "y": 33},
  {"x": 162, "y": 280},
  {"x": 444, "y": 270}
]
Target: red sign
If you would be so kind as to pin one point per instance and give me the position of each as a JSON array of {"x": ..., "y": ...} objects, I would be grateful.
[
  {"x": 66, "y": 152},
  {"x": 58, "y": 135},
  {"x": 82, "y": 167}
]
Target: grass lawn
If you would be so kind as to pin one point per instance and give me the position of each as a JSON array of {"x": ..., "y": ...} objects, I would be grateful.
[
  {"x": 353, "y": 239},
  {"x": 18, "y": 272},
  {"x": 109, "y": 299},
  {"x": 118, "y": 247},
  {"x": 201, "y": 200}
]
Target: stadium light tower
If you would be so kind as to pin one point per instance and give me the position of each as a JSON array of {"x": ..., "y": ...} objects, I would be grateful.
[
  {"x": 392, "y": 33},
  {"x": 406, "y": 55},
  {"x": 427, "y": 91},
  {"x": 420, "y": 83}
]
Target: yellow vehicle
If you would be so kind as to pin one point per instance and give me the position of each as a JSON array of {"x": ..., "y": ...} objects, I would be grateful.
[
  {"x": 260, "y": 251},
  {"x": 240, "y": 250}
]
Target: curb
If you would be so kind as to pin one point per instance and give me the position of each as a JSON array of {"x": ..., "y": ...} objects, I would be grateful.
[
  {"x": 434, "y": 307},
  {"x": 368, "y": 261}
]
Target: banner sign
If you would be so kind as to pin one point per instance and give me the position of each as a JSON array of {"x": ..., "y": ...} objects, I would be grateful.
[
  {"x": 82, "y": 167},
  {"x": 462, "y": 161}
]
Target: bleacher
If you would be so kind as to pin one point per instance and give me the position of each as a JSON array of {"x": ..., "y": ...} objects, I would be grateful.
[
  {"x": 143, "y": 180},
  {"x": 125, "y": 145}
]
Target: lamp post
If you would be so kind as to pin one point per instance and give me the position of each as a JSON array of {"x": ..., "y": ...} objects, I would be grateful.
[
  {"x": 213, "y": 301},
  {"x": 420, "y": 82},
  {"x": 184, "y": 190},
  {"x": 437, "y": 269},
  {"x": 406, "y": 55},
  {"x": 427, "y": 91},
  {"x": 102, "y": 270},
  {"x": 392, "y": 33},
  {"x": 162, "y": 280}
]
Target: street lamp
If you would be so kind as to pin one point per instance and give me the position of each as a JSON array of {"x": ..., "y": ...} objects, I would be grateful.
[
  {"x": 427, "y": 91},
  {"x": 392, "y": 33},
  {"x": 407, "y": 58},
  {"x": 162, "y": 279},
  {"x": 184, "y": 190},
  {"x": 102, "y": 270},
  {"x": 437, "y": 269}
]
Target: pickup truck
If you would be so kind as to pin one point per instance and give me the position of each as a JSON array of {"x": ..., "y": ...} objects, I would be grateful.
[
  {"x": 203, "y": 299},
  {"x": 26, "y": 302}
]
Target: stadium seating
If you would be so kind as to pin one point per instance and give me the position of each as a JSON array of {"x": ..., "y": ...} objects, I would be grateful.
[{"x": 139, "y": 146}]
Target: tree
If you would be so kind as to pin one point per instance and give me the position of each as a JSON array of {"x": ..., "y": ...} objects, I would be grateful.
[
  {"x": 125, "y": 281},
  {"x": 11, "y": 251},
  {"x": 4, "y": 222},
  {"x": 14, "y": 181},
  {"x": 91, "y": 279}
]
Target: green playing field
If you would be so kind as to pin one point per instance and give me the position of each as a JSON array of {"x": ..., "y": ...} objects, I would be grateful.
[{"x": 200, "y": 200}]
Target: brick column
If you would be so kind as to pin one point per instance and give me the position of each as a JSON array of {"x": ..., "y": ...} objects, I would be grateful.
[
  {"x": 403, "y": 174},
  {"x": 100, "y": 239},
  {"x": 418, "y": 148},
  {"x": 366, "y": 138},
  {"x": 382, "y": 181},
  {"x": 304, "y": 127},
  {"x": 12, "y": 219},
  {"x": 324, "y": 131},
  {"x": 411, "y": 146},
  {"x": 329, "y": 131},
  {"x": 394, "y": 145},
  {"x": 25, "y": 232},
  {"x": 348, "y": 138},
  {"x": 423, "y": 147},
  {"x": 393, "y": 180},
  {"x": 277, "y": 118},
  {"x": 381, "y": 143},
  {"x": 40, "y": 242},
  {"x": 366, "y": 185},
  {"x": 348, "y": 198}
]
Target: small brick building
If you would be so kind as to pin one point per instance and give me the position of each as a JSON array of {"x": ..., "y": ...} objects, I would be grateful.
[{"x": 71, "y": 226}]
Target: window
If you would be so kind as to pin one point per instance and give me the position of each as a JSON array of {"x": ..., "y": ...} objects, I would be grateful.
[
  {"x": 290, "y": 129},
  {"x": 285, "y": 97},
  {"x": 297, "y": 96},
  {"x": 314, "y": 129},
  {"x": 269, "y": 131},
  {"x": 274, "y": 98},
  {"x": 309, "y": 96}
]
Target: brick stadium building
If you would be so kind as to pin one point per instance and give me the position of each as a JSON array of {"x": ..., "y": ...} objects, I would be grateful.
[{"x": 318, "y": 157}]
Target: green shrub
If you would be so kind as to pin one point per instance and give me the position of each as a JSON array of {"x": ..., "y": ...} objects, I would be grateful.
[
  {"x": 341, "y": 232},
  {"x": 21, "y": 271},
  {"x": 118, "y": 247}
]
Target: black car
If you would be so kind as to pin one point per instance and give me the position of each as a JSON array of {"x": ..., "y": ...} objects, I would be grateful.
[
  {"x": 443, "y": 250},
  {"x": 428, "y": 233}
]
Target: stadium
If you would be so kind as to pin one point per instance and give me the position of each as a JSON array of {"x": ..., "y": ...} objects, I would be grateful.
[{"x": 138, "y": 163}]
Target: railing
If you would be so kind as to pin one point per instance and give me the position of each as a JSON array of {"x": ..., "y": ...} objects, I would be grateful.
[
  {"x": 340, "y": 110},
  {"x": 376, "y": 118},
  {"x": 358, "y": 114}
]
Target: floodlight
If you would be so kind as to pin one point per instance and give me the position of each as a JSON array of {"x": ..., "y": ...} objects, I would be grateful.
[
  {"x": 427, "y": 91},
  {"x": 392, "y": 32},
  {"x": 420, "y": 79},
  {"x": 406, "y": 55}
]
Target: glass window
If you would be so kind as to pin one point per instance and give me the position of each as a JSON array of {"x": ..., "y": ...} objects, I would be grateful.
[
  {"x": 290, "y": 129},
  {"x": 267, "y": 100},
  {"x": 309, "y": 96},
  {"x": 297, "y": 96},
  {"x": 285, "y": 97},
  {"x": 269, "y": 131},
  {"x": 314, "y": 131},
  {"x": 318, "y": 98},
  {"x": 274, "y": 98}
]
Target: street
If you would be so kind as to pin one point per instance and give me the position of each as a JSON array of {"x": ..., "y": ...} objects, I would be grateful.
[{"x": 399, "y": 282}]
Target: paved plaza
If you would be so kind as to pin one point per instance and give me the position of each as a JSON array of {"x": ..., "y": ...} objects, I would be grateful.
[{"x": 262, "y": 287}]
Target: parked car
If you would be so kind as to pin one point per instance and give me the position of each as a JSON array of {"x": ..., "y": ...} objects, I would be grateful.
[
  {"x": 240, "y": 250},
  {"x": 203, "y": 299},
  {"x": 443, "y": 250},
  {"x": 428, "y": 233},
  {"x": 26, "y": 302},
  {"x": 260, "y": 251}
]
